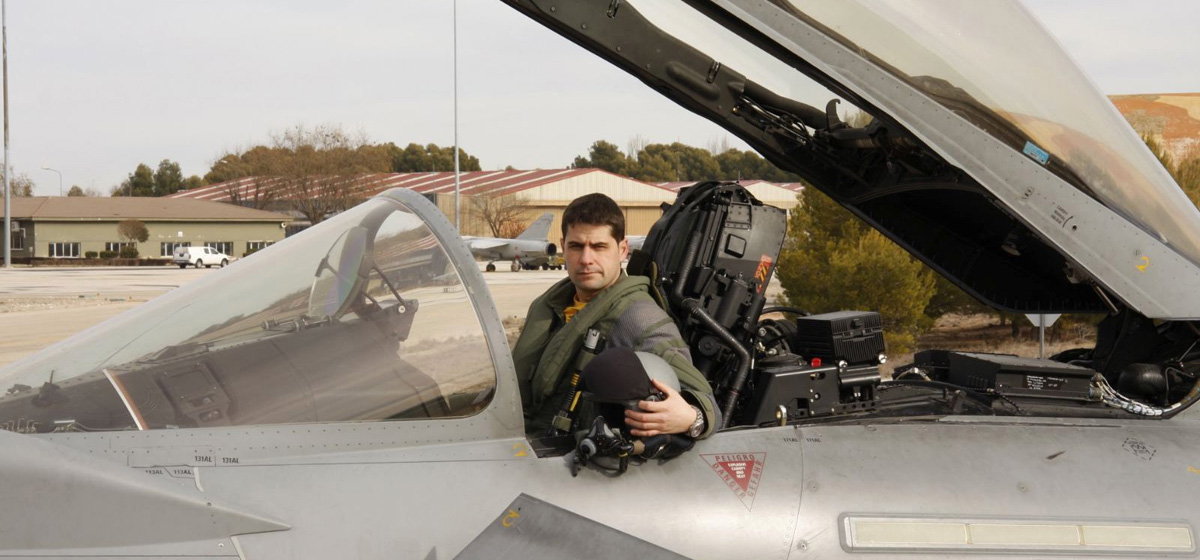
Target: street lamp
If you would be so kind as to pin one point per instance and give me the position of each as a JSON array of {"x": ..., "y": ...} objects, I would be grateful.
[{"x": 59, "y": 178}]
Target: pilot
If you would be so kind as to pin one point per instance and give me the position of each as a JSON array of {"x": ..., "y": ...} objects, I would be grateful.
[{"x": 598, "y": 294}]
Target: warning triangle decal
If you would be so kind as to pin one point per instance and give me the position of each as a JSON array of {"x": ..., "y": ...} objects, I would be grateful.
[{"x": 740, "y": 471}]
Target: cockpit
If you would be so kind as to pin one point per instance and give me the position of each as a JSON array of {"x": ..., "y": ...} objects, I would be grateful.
[{"x": 363, "y": 318}]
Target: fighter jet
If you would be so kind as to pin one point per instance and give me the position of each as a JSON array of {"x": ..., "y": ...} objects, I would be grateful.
[
  {"x": 529, "y": 250},
  {"x": 355, "y": 396}
]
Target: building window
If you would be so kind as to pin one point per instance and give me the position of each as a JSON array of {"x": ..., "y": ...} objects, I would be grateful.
[
  {"x": 222, "y": 246},
  {"x": 64, "y": 250},
  {"x": 258, "y": 245},
  {"x": 168, "y": 249},
  {"x": 116, "y": 247},
  {"x": 18, "y": 239}
]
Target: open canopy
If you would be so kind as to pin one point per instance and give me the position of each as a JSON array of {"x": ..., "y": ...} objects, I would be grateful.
[{"x": 990, "y": 155}]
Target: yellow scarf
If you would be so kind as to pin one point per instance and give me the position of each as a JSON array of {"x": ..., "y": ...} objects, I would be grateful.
[{"x": 575, "y": 308}]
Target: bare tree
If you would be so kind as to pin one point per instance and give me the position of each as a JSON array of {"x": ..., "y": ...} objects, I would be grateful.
[
  {"x": 719, "y": 146},
  {"x": 501, "y": 213},
  {"x": 20, "y": 185},
  {"x": 320, "y": 167},
  {"x": 261, "y": 191},
  {"x": 133, "y": 230},
  {"x": 636, "y": 145}
]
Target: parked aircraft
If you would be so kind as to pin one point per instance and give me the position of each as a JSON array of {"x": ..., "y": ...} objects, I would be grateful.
[
  {"x": 352, "y": 393},
  {"x": 529, "y": 250}
]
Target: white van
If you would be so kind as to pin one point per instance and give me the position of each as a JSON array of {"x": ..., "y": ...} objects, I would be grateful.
[{"x": 206, "y": 256}]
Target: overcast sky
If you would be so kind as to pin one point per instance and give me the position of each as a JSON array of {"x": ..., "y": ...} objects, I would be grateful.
[{"x": 98, "y": 87}]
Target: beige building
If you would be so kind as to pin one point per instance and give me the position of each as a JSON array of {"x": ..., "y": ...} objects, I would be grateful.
[{"x": 70, "y": 227}]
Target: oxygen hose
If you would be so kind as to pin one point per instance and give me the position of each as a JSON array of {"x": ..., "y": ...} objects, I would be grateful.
[
  {"x": 685, "y": 268},
  {"x": 693, "y": 308}
]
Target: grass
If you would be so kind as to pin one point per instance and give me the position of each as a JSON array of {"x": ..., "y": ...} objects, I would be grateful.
[{"x": 984, "y": 333}]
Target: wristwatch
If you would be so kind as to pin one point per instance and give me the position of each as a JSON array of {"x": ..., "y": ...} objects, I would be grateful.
[{"x": 697, "y": 426}]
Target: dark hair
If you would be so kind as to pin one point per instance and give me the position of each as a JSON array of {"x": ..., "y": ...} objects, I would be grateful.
[{"x": 595, "y": 210}]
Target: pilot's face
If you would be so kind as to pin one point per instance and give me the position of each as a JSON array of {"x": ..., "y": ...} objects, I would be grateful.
[{"x": 593, "y": 258}]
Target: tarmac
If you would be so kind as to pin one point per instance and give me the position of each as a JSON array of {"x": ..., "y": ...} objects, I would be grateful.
[{"x": 41, "y": 306}]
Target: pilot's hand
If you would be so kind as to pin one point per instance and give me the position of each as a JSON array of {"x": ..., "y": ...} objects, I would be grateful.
[{"x": 671, "y": 416}]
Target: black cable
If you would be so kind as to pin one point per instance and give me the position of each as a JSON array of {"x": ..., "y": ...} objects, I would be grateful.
[{"x": 940, "y": 385}]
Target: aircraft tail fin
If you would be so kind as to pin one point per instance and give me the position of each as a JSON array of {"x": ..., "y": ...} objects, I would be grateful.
[{"x": 539, "y": 230}]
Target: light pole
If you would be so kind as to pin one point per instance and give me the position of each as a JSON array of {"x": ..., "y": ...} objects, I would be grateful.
[
  {"x": 457, "y": 205},
  {"x": 59, "y": 178}
]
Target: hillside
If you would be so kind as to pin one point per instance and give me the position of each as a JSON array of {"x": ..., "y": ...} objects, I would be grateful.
[{"x": 1173, "y": 119}]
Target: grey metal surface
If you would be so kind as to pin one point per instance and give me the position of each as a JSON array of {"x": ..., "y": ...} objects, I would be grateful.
[
  {"x": 1131, "y": 473},
  {"x": 408, "y": 510},
  {"x": 55, "y": 497},
  {"x": 531, "y": 528},
  {"x": 1103, "y": 244}
]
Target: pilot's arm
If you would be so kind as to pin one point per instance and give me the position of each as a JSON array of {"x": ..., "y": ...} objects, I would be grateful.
[{"x": 646, "y": 327}]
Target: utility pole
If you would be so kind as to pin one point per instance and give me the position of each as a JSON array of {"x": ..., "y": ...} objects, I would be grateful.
[{"x": 7, "y": 168}]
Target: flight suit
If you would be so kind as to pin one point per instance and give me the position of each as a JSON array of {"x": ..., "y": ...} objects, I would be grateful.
[{"x": 628, "y": 317}]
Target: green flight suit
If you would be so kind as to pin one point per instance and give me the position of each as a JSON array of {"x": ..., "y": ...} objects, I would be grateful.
[{"x": 628, "y": 317}]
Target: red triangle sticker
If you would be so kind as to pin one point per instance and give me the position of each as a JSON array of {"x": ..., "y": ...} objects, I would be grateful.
[{"x": 740, "y": 471}]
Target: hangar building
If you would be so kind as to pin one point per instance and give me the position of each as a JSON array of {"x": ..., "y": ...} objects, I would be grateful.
[{"x": 539, "y": 191}]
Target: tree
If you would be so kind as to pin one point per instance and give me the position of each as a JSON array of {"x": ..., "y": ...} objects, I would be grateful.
[
  {"x": 261, "y": 191},
  {"x": 1187, "y": 174},
  {"x": 193, "y": 182},
  {"x": 1160, "y": 152},
  {"x": 20, "y": 185},
  {"x": 831, "y": 262},
  {"x": 606, "y": 156},
  {"x": 501, "y": 213},
  {"x": 168, "y": 178},
  {"x": 680, "y": 162},
  {"x": 227, "y": 168},
  {"x": 430, "y": 157},
  {"x": 133, "y": 230},
  {"x": 75, "y": 190},
  {"x": 319, "y": 166},
  {"x": 949, "y": 298},
  {"x": 139, "y": 183}
]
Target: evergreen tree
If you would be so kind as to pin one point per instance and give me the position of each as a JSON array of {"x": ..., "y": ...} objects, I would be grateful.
[
  {"x": 832, "y": 261},
  {"x": 168, "y": 178}
]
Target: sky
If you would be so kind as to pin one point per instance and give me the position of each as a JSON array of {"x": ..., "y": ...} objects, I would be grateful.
[{"x": 98, "y": 87}]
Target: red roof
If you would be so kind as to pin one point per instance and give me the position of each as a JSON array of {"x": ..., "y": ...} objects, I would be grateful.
[{"x": 365, "y": 186}]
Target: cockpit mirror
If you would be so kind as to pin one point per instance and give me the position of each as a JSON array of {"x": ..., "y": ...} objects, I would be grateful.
[{"x": 339, "y": 275}]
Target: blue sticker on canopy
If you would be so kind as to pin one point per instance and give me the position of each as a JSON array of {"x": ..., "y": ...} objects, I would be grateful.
[{"x": 1039, "y": 155}]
